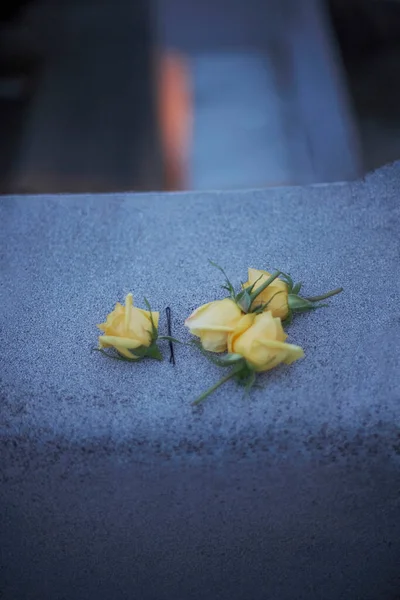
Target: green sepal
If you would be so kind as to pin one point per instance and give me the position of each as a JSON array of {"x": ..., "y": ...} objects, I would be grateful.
[
  {"x": 228, "y": 286},
  {"x": 298, "y": 304},
  {"x": 224, "y": 360},
  {"x": 229, "y": 359},
  {"x": 151, "y": 351},
  {"x": 140, "y": 352},
  {"x": 243, "y": 300},
  {"x": 246, "y": 372},
  {"x": 288, "y": 280},
  {"x": 288, "y": 320},
  {"x": 249, "y": 382},
  {"x": 228, "y": 289},
  {"x": 296, "y": 289}
]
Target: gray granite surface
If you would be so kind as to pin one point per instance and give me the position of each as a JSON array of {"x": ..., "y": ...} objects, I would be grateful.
[{"x": 113, "y": 486}]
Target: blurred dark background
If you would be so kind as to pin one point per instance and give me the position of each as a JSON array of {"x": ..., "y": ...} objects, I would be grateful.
[{"x": 114, "y": 95}]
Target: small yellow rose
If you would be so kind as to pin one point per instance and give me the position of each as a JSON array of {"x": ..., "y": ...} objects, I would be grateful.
[
  {"x": 127, "y": 328},
  {"x": 260, "y": 339},
  {"x": 276, "y": 293},
  {"x": 213, "y": 322}
]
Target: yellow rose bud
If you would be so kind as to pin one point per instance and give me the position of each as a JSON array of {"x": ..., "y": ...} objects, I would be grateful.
[
  {"x": 260, "y": 339},
  {"x": 127, "y": 328},
  {"x": 276, "y": 293},
  {"x": 213, "y": 322}
]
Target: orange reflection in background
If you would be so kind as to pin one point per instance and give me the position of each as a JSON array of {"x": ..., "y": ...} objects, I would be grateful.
[{"x": 175, "y": 109}]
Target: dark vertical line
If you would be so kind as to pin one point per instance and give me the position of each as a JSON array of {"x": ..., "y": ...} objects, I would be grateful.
[{"x": 169, "y": 329}]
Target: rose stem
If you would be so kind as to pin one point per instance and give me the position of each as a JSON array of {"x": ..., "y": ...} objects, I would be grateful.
[
  {"x": 324, "y": 296},
  {"x": 214, "y": 387},
  {"x": 264, "y": 285}
]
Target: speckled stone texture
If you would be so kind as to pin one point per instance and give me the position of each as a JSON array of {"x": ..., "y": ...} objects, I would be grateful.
[{"x": 114, "y": 487}]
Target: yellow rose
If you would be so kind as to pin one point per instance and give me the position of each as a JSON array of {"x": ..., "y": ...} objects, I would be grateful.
[
  {"x": 260, "y": 339},
  {"x": 276, "y": 293},
  {"x": 213, "y": 322},
  {"x": 127, "y": 328}
]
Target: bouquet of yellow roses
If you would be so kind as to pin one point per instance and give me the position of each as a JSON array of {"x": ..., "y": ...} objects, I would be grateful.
[{"x": 248, "y": 325}]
